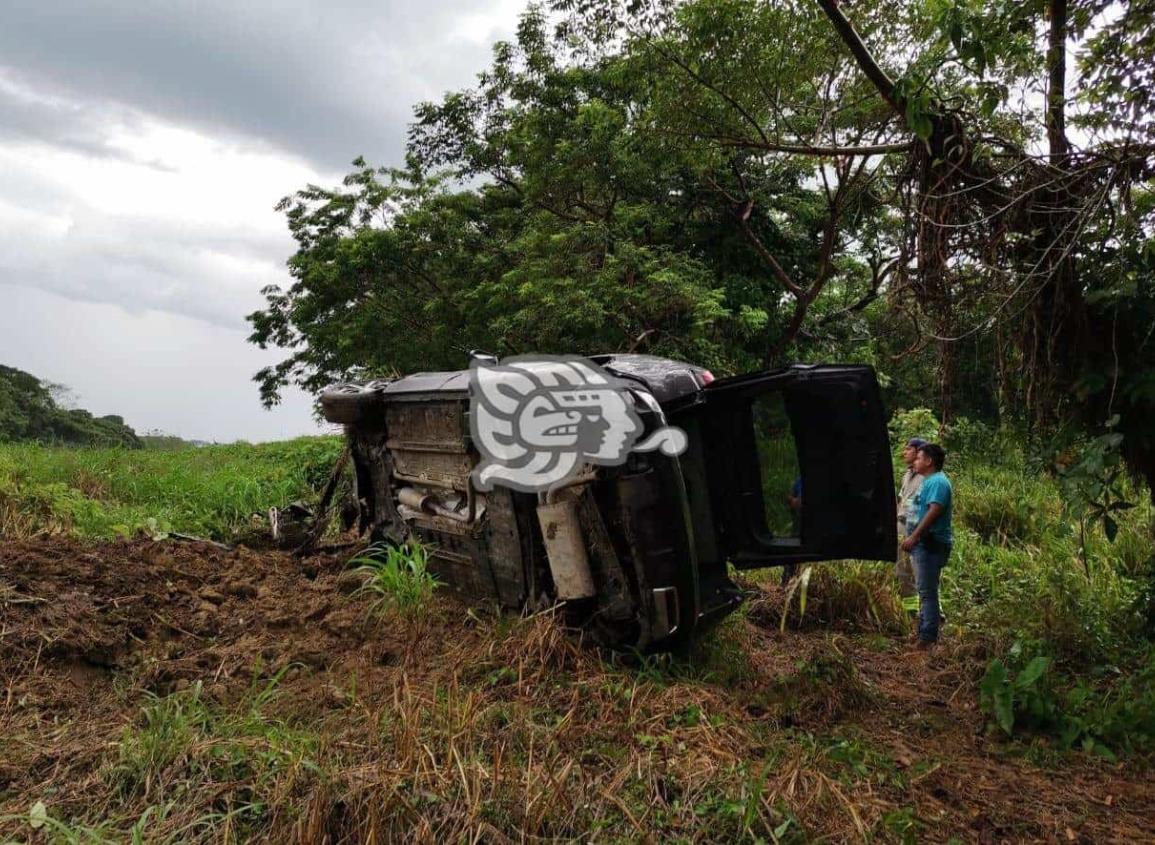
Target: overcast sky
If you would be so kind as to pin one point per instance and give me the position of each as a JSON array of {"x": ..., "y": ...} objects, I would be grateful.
[{"x": 142, "y": 148}]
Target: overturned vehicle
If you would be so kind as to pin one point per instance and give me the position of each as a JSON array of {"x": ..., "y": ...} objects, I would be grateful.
[{"x": 767, "y": 469}]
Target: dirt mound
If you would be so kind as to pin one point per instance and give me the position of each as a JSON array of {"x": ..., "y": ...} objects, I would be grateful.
[
  {"x": 169, "y": 610},
  {"x": 83, "y": 624}
]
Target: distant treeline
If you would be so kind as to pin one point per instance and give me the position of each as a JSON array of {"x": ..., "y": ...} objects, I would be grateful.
[{"x": 30, "y": 413}]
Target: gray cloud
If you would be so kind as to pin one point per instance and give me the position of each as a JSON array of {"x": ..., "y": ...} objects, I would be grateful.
[
  {"x": 327, "y": 81},
  {"x": 28, "y": 116},
  {"x": 142, "y": 147},
  {"x": 201, "y": 270}
]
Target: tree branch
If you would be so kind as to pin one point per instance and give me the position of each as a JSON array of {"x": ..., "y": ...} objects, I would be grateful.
[
  {"x": 862, "y": 55},
  {"x": 743, "y": 217},
  {"x": 1057, "y": 82},
  {"x": 878, "y": 273},
  {"x": 710, "y": 86},
  {"x": 812, "y": 149}
]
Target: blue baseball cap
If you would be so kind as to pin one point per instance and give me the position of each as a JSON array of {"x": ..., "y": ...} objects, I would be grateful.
[{"x": 916, "y": 442}]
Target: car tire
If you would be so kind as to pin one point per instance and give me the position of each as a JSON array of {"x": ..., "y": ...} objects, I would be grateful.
[{"x": 352, "y": 404}]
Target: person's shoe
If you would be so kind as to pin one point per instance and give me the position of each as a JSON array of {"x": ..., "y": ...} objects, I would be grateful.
[{"x": 926, "y": 645}]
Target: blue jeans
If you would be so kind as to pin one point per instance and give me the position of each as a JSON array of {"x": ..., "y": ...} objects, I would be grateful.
[{"x": 928, "y": 564}]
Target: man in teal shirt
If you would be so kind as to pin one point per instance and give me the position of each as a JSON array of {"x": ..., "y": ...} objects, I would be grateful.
[{"x": 929, "y": 537}]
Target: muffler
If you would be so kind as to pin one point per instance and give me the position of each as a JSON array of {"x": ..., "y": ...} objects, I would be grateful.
[{"x": 564, "y": 548}]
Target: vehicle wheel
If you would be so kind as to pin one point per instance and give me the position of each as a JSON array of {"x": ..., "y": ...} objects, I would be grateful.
[{"x": 350, "y": 404}]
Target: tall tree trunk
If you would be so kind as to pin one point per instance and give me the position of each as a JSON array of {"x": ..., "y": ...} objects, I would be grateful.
[
  {"x": 1059, "y": 311},
  {"x": 1057, "y": 83}
]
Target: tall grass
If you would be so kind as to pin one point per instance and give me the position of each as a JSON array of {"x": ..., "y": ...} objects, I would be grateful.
[
  {"x": 185, "y": 741},
  {"x": 1026, "y": 582},
  {"x": 1017, "y": 572},
  {"x": 514, "y": 727},
  {"x": 209, "y": 491}
]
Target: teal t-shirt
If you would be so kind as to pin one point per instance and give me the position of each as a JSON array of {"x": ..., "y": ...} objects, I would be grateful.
[{"x": 936, "y": 490}]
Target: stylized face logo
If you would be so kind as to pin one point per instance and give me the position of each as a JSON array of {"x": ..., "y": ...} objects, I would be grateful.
[
  {"x": 536, "y": 420},
  {"x": 596, "y": 422}
]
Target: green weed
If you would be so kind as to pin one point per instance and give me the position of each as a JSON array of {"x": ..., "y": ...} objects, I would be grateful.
[
  {"x": 904, "y": 825},
  {"x": 184, "y": 741},
  {"x": 40, "y": 821},
  {"x": 399, "y": 576},
  {"x": 1025, "y": 694}
]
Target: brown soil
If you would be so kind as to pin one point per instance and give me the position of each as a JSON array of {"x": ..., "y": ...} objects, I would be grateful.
[{"x": 88, "y": 632}]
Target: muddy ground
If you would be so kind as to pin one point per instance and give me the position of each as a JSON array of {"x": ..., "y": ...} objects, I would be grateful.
[{"x": 468, "y": 726}]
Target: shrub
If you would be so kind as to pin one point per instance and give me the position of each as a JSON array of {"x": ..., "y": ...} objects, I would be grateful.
[
  {"x": 917, "y": 422},
  {"x": 973, "y": 438},
  {"x": 1024, "y": 693}
]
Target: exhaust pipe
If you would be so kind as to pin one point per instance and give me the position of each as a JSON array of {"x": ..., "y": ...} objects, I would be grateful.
[{"x": 418, "y": 502}]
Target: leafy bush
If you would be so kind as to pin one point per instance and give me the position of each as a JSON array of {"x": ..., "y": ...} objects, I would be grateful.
[
  {"x": 1093, "y": 486},
  {"x": 1023, "y": 693},
  {"x": 1009, "y": 695},
  {"x": 973, "y": 438},
  {"x": 917, "y": 422}
]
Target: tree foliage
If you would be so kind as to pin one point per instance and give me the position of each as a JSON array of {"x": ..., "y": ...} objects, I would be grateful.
[
  {"x": 29, "y": 413},
  {"x": 744, "y": 183},
  {"x": 599, "y": 219}
]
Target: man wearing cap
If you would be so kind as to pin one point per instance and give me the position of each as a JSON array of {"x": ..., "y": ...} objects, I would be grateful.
[{"x": 908, "y": 487}]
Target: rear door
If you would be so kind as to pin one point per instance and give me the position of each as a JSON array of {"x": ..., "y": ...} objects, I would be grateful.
[{"x": 797, "y": 466}]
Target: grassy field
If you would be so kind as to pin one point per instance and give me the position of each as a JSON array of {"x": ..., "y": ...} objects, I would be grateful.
[
  {"x": 165, "y": 692},
  {"x": 102, "y": 493}
]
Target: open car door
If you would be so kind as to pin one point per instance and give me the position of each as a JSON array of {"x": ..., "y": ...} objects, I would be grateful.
[{"x": 797, "y": 466}]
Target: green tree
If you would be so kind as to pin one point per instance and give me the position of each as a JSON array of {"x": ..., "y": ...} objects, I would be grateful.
[
  {"x": 29, "y": 412},
  {"x": 598, "y": 223},
  {"x": 745, "y": 183},
  {"x": 1060, "y": 235}
]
